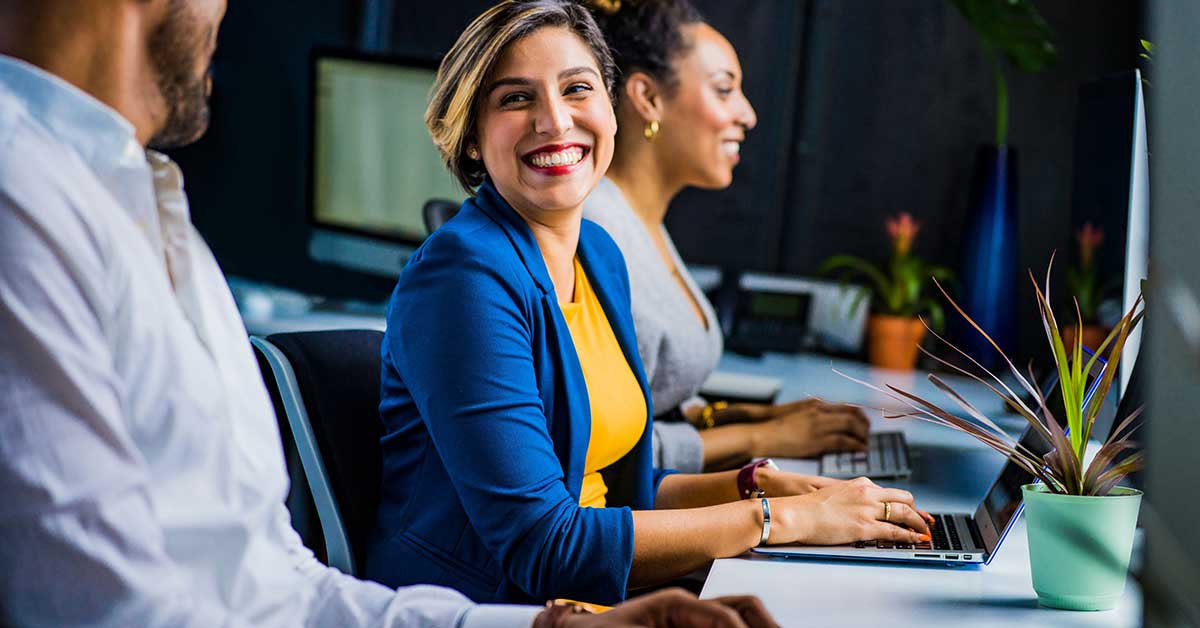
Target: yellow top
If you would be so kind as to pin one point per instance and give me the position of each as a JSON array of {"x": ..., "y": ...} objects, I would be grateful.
[{"x": 617, "y": 404}]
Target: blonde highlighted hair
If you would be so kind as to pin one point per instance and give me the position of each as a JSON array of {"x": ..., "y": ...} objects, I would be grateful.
[{"x": 453, "y": 110}]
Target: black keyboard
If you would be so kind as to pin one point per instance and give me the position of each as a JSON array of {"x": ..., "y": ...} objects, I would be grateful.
[
  {"x": 945, "y": 537},
  {"x": 945, "y": 534},
  {"x": 886, "y": 457}
]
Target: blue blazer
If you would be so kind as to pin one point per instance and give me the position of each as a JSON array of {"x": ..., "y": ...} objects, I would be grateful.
[{"x": 487, "y": 421}]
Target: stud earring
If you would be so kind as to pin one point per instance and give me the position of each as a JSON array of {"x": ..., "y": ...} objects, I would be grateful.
[
  {"x": 651, "y": 130},
  {"x": 473, "y": 153}
]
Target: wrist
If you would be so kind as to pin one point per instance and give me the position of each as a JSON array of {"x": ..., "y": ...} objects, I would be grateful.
[
  {"x": 754, "y": 518},
  {"x": 757, "y": 441},
  {"x": 768, "y": 480},
  {"x": 790, "y": 524},
  {"x": 756, "y": 412},
  {"x": 708, "y": 414},
  {"x": 749, "y": 478}
]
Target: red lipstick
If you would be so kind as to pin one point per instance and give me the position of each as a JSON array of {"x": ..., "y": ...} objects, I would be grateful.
[{"x": 530, "y": 159}]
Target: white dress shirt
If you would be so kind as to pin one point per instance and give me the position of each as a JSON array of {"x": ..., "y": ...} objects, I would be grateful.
[{"x": 140, "y": 462}]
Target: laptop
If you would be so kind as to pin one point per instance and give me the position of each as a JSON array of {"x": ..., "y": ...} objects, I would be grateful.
[{"x": 958, "y": 538}]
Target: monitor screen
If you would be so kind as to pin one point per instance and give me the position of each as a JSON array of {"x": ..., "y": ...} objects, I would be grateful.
[{"x": 373, "y": 163}]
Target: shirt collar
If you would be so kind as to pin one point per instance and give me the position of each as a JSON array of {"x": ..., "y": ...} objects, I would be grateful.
[
  {"x": 101, "y": 135},
  {"x": 489, "y": 200}
]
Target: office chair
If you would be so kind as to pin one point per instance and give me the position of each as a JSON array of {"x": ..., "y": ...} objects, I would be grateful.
[
  {"x": 328, "y": 386},
  {"x": 437, "y": 211}
]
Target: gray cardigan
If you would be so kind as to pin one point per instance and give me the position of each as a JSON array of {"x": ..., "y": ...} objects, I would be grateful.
[{"x": 678, "y": 352}]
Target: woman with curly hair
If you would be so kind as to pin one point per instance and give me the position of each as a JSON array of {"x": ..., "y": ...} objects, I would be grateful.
[{"x": 682, "y": 117}]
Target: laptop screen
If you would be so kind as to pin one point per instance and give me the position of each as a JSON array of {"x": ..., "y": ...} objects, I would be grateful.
[{"x": 1003, "y": 500}]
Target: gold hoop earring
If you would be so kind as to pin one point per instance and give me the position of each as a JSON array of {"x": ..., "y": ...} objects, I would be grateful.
[{"x": 651, "y": 130}]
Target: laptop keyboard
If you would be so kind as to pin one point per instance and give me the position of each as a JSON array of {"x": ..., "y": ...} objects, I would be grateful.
[
  {"x": 886, "y": 456},
  {"x": 945, "y": 537}
]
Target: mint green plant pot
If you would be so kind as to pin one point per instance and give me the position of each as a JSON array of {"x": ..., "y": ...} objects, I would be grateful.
[{"x": 1079, "y": 546}]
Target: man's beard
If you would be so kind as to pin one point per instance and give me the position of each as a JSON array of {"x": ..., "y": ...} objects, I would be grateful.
[{"x": 173, "y": 47}]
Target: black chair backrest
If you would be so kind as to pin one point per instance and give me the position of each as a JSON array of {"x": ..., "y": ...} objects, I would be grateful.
[
  {"x": 437, "y": 211},
  {"x": 338, "y": 376}
]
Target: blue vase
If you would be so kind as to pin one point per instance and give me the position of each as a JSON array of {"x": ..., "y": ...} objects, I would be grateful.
[{"x": 989, "y": 268}]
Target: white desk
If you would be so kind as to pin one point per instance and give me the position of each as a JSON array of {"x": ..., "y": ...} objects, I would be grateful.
[
  {"x": 952, "y": 473},
  {"x": 267, "y": 309},
  {"x": 807, "y": 375}
]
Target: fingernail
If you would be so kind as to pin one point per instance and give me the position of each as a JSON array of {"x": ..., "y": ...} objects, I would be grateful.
[{"x": 925, "y": 537}]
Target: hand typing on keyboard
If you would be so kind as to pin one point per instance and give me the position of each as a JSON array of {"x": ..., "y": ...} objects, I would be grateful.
[
  {"x": 810, "y": 427},
  {"x": 846, "y": 512}
]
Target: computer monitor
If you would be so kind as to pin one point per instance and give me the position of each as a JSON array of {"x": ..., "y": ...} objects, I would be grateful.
[
  {"x": 1111, "y": 189},
  {"x": 372, "y": 163}
]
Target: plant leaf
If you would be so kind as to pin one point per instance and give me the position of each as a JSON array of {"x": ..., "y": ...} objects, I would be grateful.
[
  {"x": 1010, "y": 400},
  {"x": 1125, "y": 423},
  {"x": 1110, "y": 478},
  {"x": 860, "y": 266},
  {"x": 979, "y": 329},
  {"x": 1065, "y": 466},
  {"x": 1102, "y": 461},
  {"x": 1122, "y": 331},
  {"x": 966, "y": 405},
  {"x": 945, "y": 419},
  {"x": 937, "y": 316}
]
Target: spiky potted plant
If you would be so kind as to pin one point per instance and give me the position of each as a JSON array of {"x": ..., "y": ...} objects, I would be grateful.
[
  {"x": 1080, "y": 523},
  {"x": 894, "y": 329}
]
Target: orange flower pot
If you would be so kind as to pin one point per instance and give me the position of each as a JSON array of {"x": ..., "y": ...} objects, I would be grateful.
[
  {"x": 1093, "y": 336},
  {"x": 892, "y": 341}
]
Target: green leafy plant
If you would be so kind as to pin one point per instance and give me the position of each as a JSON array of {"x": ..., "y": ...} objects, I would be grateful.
[
  {"x": 1062, "y": 470},
  {"x": 1083, "y": 280},
  {"x": 1014, "y": 34},
  {"x": 1147, "y": 55},
  {"x": 901, "y": 286},
  {"x": 1147, "y": 52}
]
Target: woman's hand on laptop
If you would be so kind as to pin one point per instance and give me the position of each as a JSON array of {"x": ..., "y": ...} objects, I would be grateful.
[{"x": 847, "y": 512}]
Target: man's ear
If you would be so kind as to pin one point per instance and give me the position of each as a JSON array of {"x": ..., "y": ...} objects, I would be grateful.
[{"x": 644, "y": 94}]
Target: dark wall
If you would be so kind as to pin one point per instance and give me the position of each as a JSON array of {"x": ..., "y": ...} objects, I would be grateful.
[
  {"x": 866, "y": 108},
  {"x": 894, "y": 98}
]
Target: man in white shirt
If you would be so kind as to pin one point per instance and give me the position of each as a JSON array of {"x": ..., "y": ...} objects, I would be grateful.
[{"x": 140, "y": 464}]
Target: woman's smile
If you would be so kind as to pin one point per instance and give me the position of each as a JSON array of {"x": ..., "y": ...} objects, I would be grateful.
[{"x": 556, "y": 159}]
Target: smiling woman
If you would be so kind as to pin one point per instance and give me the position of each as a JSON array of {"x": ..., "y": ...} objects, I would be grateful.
[
  {"x": 517, "y": 455},
  {"x": 468, "y": 75},
  {"x": 546, "y": 137}
]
